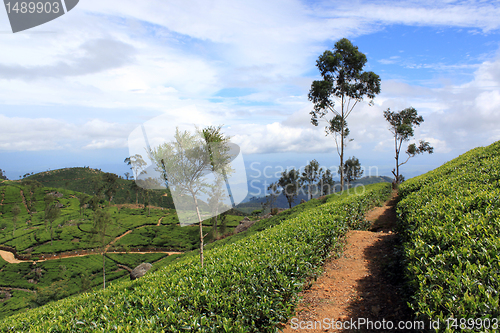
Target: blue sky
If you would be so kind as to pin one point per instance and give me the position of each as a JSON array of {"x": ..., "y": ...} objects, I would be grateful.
[{"x": 72, "y": 90}]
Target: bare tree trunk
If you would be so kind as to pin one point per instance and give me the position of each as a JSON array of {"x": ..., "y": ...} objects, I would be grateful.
[
  {"x": 342, "y": 149},
  {"x": 201, "y": 229},
  {"x": 103, "y": 271},
  {"x": 397, "y": 159},
  {"x": 397, "y": 170}
]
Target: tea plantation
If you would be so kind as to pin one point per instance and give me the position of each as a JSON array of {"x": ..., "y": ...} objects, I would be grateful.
[
  {"x": 450, "y": 224},
  {"x": 32, "y": 236},
  {"x": 248, "y": 285}
]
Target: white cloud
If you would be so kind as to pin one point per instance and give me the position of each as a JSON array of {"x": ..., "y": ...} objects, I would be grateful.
[
  {"x": 105, "y": 143},
  {"x": 423, "y": 13},
  {"x": 25, "y": 134},
  {"x": 457, "y": 117},
  {"x": 160, "y": 56},
  {"x": 279, "y": 138},
  {"x": 439, "y": 146}
]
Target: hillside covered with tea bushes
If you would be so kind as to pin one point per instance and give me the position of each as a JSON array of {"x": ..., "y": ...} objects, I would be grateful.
[
  {"x": 251, "y": 285},
  {"x": 450, "y": 224}
]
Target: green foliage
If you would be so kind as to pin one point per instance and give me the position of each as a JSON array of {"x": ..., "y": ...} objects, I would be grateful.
[
  {"x": 290, "y": 183},
  {"x": 257, "y": 212},
  {"x": 326, "y": 183},
  {"x": 15, "y": 212},
  {"x": 132, "y": 260},
  {"x": 351, "y": 170},
  {"x": 136, "y": 164},
  {"x": 53, "y": 292},
  {"x": 342, "y": 79},
  {"x": 251, "y": 285},
  {"x": 54, "y": 279},
  {"x": 312, "y": 173},
  {"x": 172, "y": 237},
  {"x": 52, "y": 212},
  {"x": 72, "y": 228},
  {"x": 402, "y": 128},
  {"x": 450, "y": 225},
  {"x": 90, "y": 181}
]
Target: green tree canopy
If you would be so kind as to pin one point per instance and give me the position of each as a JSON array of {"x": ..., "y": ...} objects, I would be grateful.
[
  {"x": 343, "y": 79},
  {"x": 136, "y": 164},
  {"x": 326, "y": 183},
  {"x": 100, "y": 229},
  {"x": 290, "y": 184},
  {"x": 402, "y": 128},
  {"x": 15, "y": 212},
  {"x": 52, "y": 212},
  {"x": 273, "y": 195},
  {"x": 311, "y": 175},
  {"x": 352, "y": 170},
  {"x": 184, "y": 163},
  {"x": 110, "y": 185}
]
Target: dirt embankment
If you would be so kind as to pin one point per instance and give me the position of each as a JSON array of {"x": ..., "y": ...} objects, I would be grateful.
[{"x": 9, "y": 257}]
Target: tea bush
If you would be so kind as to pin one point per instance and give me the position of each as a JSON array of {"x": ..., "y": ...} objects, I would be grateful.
[
  {"x": 248, "y": 286},
  {"x": 449, "y": 220}
]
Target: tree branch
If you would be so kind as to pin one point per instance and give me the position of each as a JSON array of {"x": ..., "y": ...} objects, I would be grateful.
[
  {"x": 409, "y": 156},
  {"x": 352, "y": 108}
]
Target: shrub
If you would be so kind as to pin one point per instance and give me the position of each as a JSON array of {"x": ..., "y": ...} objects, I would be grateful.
[
  {"x": 251, "y": 285},
  {"x": 449, "y": 220},
  {"x": 257, "y": 212}
]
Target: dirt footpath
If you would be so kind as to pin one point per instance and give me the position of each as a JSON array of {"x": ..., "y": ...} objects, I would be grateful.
[
  {"x": 9, "y": 257},
  {"x": 360, "y": 286}
]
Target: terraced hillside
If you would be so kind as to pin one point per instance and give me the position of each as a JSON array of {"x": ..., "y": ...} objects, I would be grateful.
[
  {"x": 249, "y": 285},
  {"x": 450, "y": 224},
  {"x": 70, "y": 242},
  {"x": 90, "y": 181}
]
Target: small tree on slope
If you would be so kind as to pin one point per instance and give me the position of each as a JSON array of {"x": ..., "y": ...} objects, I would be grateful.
[{"x": 402, "y": 127}]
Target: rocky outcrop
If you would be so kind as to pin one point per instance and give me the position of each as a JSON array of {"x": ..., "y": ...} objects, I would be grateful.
[
  {"x": 244, "y": 225},
  {"x": 140, "y": 270}
]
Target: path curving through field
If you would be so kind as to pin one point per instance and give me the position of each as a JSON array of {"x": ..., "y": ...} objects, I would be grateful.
[
  {"x": 359, "y": 284},
  {"x": 117, "y": 238},
  {"x": 11, "y": 259},
  {"x": 9, "y": 256},
  {"x": 159, "y": 221}
]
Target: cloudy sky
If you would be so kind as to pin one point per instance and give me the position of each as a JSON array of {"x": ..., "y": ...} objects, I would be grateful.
[{"x": 72, "y": 90}]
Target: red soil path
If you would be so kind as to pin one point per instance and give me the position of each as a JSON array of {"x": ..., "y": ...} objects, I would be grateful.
[{"x": 356, "y": 285}]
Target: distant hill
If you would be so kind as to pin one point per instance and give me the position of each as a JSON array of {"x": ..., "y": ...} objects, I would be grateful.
[
  {"x": 89, "y": 181},
  {"x": 372, "y": 180}
]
